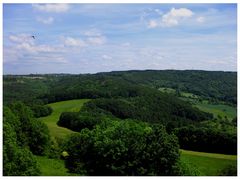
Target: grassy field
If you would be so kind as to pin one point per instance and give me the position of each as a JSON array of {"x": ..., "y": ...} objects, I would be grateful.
[
  {"x": 58, "y": 108},
  {"x": 52, "y": 167},
  {"x": 218, "y": 110},
  {"x": 208, "y": 164},
  {"x": 56, "y": 167}
]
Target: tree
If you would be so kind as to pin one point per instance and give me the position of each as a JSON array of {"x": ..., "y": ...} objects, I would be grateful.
[
  {"x": 17, "y": 160},
  {"x": 122, "y": 148}
]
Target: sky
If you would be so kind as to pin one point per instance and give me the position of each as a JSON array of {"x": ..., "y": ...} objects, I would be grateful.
[{"x": 90, "y": 38}]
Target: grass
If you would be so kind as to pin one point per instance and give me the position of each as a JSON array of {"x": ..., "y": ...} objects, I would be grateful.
[
  {"x": 208, "y": 164},
  {"x": 52, "y": 167},
  {"x": 167, "y": 90},
  {"x": 218, "y": 110},
  {"x": 58, "y": 108},
  {"x": 56, "y": 167}
]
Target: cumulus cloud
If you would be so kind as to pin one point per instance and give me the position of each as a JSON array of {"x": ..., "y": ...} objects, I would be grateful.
[
  {"x": 174, "y": 16},
  {"x": 48, "y": 20},
  {"x": 171, "y": 18},
  {"x": 74, "y": 42},
  {"x": 52, "y": 8}
]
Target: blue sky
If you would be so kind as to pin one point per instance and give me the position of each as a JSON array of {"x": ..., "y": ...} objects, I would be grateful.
[{"x": 90, "y": 38}]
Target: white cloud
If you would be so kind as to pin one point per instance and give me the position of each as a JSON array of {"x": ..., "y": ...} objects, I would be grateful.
[
  {"x": 21, "y": 38},
  {"x": 106, "y": 57},
  {"x": 54, "y": 8},
  {"x": 152, "y": 23},
  {"x": 49, "y": 20},
  {"x": 73, "y": 42},
  {"x": 174, "y": 16},
  {"x": 92, "y": 32},
  {"x": 200, "y": 19},
  {"x": 30, "y": 48},
  {"x": 98, "y": 40}
]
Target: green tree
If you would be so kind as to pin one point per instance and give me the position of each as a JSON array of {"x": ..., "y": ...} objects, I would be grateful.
[
  {"x": 17, "y": 161},
  {"x": 122, "y": 148}
]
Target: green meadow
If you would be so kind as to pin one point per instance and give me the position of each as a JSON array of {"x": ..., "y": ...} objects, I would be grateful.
[
  {"x": 58, "y": 108},
  {"x": 208, "y": 164},
  {"x": 218, "y": 110}
]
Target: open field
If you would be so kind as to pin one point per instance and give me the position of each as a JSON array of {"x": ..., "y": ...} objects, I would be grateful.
[
  {"x": 58, "y": 108},
  {"x": 52, "y": 167},
  {"x": 208, "y": 164},
  {"x": 218, "y": 110}
]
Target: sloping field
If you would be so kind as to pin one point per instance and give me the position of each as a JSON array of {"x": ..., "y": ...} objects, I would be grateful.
[
  {"x": 58, "y": 108},
  {"x": 52, "y": 167},
  {"x": 218, "y": 110},
  {"x": 208, "y": 164}
]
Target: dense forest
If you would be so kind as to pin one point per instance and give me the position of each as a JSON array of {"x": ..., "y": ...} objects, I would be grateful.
[{"x": 128, "y": 127}]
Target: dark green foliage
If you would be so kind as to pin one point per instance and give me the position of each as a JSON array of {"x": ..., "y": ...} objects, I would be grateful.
[
  {"x": 209, "y": 84},
  {"x": 78, "y": 121},
  {"x": 17, "y": 160},
  {"x": 23, "y": 136},
  {"x": 31, "y": 132},
  {"x": 231, "y": 170},
  {"x": 153, "y": 108},
  {"x": 53, "y": 88},
  {"x": 207, "y": 140},
  {"x": 122, "y": 148},
  {"x": 41, "y": 111}
]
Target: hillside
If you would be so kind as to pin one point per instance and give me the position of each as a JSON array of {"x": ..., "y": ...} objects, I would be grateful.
[{"x": 214, "y": 85}]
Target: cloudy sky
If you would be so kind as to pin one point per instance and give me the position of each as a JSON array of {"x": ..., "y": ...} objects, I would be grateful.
[{"x": 89, "y": 38}]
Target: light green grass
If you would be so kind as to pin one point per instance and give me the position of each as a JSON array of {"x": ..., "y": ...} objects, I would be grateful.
[
  {"x": 189, "y": 95},
  {"x": 167, "y": 90},
  {"x": 58, "y": 108},
  {"x": 218, "y": 110},
  {"x": 208, "y": 164},
  {"x": 52, "y": 167}
]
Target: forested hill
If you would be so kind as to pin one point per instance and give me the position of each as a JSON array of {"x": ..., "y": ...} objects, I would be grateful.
[
  {"x": 216, "y": 85},
  {"x": 212, "y": 84}
]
